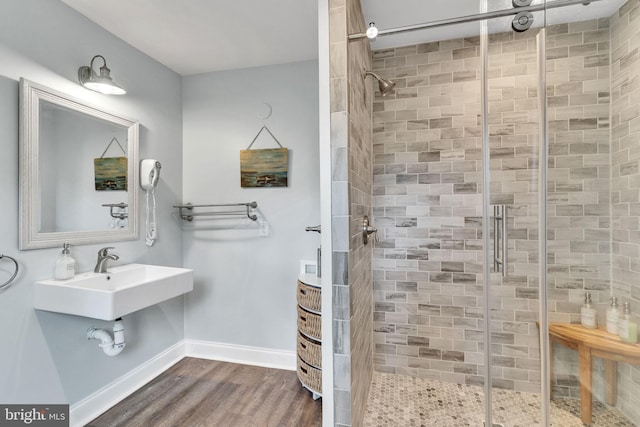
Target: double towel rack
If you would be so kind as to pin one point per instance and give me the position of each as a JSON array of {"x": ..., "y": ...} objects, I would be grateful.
[
  {"x": 118, "y": 215},
  {"x": 187, "y": 213}
]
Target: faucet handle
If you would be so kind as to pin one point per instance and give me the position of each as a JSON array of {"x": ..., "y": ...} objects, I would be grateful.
[{"x": 105, "y": 251}]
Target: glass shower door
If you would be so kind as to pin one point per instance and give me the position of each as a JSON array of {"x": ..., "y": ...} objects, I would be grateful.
[
  {"x": 429, "y": 320},
  {"x": 438, "y": 227},
  {"x": 513, "y": 113}
]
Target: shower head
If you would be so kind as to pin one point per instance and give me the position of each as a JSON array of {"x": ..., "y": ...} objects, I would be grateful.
[{"x": 384, "y": 85}]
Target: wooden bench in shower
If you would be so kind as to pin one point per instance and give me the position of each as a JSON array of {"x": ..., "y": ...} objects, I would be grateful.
[{"x": 594, "y": 343}]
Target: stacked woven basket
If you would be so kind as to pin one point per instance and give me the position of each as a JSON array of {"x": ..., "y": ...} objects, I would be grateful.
[{"x": 309, "y": 337}]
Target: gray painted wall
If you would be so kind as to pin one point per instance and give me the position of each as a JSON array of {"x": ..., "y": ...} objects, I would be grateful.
[
  {"x": 246, "y": 284},
  {"x": 45, "y": 357}
]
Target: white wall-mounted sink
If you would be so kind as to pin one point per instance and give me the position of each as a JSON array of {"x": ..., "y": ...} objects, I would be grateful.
[{"x": 107, "y": 296}]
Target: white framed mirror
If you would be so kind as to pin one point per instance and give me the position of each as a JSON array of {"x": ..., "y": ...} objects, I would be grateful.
[{"x": 78, "y": 171}]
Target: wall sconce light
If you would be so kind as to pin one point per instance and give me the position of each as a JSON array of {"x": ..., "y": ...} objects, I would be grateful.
[{"x": 99, "y": 82}]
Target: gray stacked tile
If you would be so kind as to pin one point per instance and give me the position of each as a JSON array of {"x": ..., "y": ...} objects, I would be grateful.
[
  {"x": 351, "y": 201},
  {"x": 428, "y": 309}
]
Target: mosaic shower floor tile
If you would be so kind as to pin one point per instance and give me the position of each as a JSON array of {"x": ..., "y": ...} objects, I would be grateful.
[{"x": 398, "y": 401}]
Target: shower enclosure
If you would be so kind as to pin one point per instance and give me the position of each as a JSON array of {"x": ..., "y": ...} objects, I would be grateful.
[{"x": 502, "y": 175}]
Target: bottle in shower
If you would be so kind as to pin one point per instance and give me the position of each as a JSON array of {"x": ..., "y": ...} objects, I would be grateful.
[
  {"x": 588, "y": 314},
  {"x": 627, "y": 328},
  {"x": 613, "y": 316}
]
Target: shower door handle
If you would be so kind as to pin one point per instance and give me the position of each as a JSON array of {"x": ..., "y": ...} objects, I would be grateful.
[
  {"x": 505, "y": 240},
  {"x": 500, "y": 239},
  {"x": 496, "y": 238}
]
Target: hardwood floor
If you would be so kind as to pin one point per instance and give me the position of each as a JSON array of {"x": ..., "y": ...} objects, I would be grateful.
[{"x": 198, "y": 392}]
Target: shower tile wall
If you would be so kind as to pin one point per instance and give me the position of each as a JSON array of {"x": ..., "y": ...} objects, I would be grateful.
[
  {"x": 625, "y": 173},
  {"x": 351, "y": 199},
  {"x": 427, "y": 206},
  {"x": 427, "y": 200}
]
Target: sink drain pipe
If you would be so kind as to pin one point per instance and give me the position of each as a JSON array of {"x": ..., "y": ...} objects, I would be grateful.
[{"x": 110, "y": 346}]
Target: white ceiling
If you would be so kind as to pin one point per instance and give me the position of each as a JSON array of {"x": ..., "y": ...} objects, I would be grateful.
[{"x": 198, "y": 36}]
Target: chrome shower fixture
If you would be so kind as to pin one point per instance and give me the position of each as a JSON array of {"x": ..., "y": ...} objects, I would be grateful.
[
  {"x": 385, "y": 86},
  {"x": 524, "y": 19}
]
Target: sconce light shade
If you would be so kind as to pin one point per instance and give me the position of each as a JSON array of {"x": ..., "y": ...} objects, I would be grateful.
[{"x": 99, "y": 82}]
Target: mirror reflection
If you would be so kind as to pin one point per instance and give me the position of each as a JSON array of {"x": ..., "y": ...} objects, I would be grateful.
[{"x": 83, "y": 166}]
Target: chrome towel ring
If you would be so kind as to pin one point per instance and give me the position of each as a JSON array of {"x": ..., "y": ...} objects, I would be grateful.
[{"x": 6, "y": 284}]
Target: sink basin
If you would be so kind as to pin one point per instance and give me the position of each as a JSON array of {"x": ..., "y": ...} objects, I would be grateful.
[{"x": 107, "y": 296}]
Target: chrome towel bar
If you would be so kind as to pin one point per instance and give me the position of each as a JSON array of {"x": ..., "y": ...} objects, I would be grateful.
[{"x": 117, "y": 215}]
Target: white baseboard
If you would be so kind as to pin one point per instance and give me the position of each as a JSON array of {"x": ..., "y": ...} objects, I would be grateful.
[
  {"x": 97, "y": 403},
  {"x": 268, "y": 358}
]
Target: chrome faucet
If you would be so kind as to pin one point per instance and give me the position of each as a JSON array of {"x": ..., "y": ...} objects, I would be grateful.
[{"x": 103, "y": 257}]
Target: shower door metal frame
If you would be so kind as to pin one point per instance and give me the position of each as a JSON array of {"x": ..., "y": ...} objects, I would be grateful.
[
  {"x": 483, "y": 16},
  {"x": 543, "y": 164},
  {"x": 486, "y": 211}
]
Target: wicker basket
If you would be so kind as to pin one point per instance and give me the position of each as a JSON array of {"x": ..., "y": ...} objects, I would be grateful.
[
  {"x": 309, "y": 376},
  {"x": 310, "y": 351},
  {"x": 309, "y": 297},
  {"x": 309, "y": 324}
]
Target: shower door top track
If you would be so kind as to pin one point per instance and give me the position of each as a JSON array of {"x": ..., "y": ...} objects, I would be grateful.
[{"x": 476, "y": 17}]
